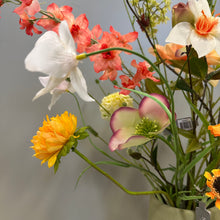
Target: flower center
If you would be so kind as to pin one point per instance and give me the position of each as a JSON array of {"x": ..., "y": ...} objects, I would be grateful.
[
  {"x": 205, "y": 25},
  {"x": 216, "y": 184},
  {"x": 107, "y": 55},
  {"x": 74, "y": 29},
  {"x": 147, "y": 127}
]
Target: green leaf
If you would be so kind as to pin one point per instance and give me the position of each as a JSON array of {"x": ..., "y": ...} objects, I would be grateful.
[
  {"x": 193, "y": 145},
  {"x": 198, "y": 157},
  {"x": 198, "y": 66},
  {"x": 187, "y": 134},
  {"x": 181, "y": 84},
  {"x": 81, "y": 133},
  {"x": 196, "y": 160},
  {"x": 194, "y": 108},
  {"x": 151, "y": 87},
  {"x": 186, "y": 198}
]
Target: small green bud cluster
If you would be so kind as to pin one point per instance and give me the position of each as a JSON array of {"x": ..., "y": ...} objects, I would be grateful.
[{"x": 152, "y": 11}]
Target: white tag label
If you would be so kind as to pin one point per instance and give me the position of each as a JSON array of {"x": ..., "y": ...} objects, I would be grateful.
[{"x": 185, "y": 123}]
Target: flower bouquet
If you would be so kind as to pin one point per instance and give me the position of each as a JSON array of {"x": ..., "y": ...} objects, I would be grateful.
[{"x": 141, "y": 111}]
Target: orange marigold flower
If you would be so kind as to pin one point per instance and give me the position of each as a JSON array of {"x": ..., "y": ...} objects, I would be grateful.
[
  {"x": 213, "y": 182},
  {"x": 52, "y": 136},
  {"x": 214, "y": 129}
]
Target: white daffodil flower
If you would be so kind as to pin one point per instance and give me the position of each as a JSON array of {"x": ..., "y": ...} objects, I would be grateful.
[
  {"x": 203, "y": 34},
  {"x": 55, "y": 55},
  {"x": 58, "y": 90}
]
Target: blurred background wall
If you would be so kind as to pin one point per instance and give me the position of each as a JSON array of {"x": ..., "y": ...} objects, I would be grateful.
[{"x": 31, "y": 191}]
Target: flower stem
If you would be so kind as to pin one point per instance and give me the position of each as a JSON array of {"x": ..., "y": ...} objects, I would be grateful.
[{"x": 118, "y": 184}]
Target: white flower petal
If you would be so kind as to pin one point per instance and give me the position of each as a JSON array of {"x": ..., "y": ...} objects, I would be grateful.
[
  {"x": 65, "y": 36},
  {"x": 53, "y": 82},
  {"x": 197, "y": 6},
  {"x": 52, "y": 54},
  {"x": 45, "y": 55},
  {"x": 79, "y": 84},
  {"x": 134, "y": 141},
  {"x": 120, "y": 137},
  {"x": 202, "y": 45},
  {"x": 55, "y": 96},
  {"x": 180, "y": 34},
  {"x": 120, "y": 118}
]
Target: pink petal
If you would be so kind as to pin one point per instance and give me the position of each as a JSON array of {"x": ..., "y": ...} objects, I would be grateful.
[
  {"x": 124, "y": 117},
  {"x": 149, "y": 108},
  {"x": 134, "y": 141},
  {"x": 120, "y": 137}
]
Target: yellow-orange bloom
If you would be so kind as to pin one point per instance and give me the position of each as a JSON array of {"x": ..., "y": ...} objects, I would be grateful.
[
  {"x": 213, "y": 182},
  {"x": 214, "y": 129},
  {"x": 52, "y": 136}
]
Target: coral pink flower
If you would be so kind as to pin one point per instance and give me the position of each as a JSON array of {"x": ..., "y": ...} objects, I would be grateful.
[
  {"x": 31, "y": 7},
  {"x": 107, "y": 60},
  {"x": 91, "y": 37},
  {"x": 123, "y": 40},
  {"x": 80, "y": 32},
  {"x": 62, "y": 13},
  {"x": 142, "y": 71},
  {"x": 28, "y": 24},
  {"x": 126, "y": 82},
  {"x": 133, "y": 127}
]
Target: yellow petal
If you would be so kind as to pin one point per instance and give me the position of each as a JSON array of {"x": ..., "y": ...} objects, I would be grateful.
[
  {"x": 216, "y": 172},
  {"x": 208, "y": 176},
  {"x": 217, "y": 203}
]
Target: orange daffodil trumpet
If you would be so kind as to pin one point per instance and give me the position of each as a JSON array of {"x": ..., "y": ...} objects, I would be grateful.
[
  {"x": 203, "y": 33},
  {"x": 55, "y": 55},
  {"x": 133, "y": 127}
]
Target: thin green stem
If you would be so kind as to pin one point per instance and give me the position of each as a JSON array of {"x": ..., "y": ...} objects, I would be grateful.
[{"x": 118, "y": 184}]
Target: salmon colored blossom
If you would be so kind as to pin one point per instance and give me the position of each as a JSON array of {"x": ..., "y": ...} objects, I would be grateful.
[
  {"x": 90, "y": 39},
  {"x": 173, "y": 51},
  {"x": 142, "y": 71},
  {"x": 62, "y": 13},
  {"x": 80, "y": 32},
  {"x": 52, "y": 136},
  {"x": 108, "y": 61},
  {"x": 169, "y": 52},
  {"x": 214, "y": 129},
  {"x": 30, "y": 7},
  {"x": 128, "y": 83},
  {"x": 28, "y": 24},
  {"x": 123, "y": 40},
  {"x": 213, "y": 182}
]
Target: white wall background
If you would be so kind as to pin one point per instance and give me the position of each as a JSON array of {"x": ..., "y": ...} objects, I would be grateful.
[{"x": 31, "y": 191}]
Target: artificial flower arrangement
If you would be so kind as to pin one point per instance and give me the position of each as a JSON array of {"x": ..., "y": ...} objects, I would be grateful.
[{"x": 141, "y": 112}]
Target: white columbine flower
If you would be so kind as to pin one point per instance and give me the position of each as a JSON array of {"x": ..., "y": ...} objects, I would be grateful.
[
  {"x": 203, "y": 34},
  {"x": 55, "y": 55}
]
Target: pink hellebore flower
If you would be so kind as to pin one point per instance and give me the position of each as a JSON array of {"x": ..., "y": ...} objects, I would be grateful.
[
  {"x": 203, "y": 34},
  {"x": 133, "y": 127}
]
